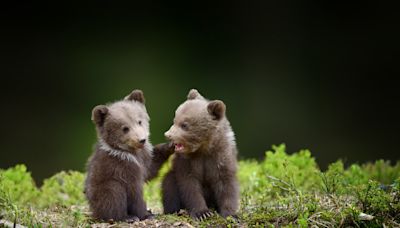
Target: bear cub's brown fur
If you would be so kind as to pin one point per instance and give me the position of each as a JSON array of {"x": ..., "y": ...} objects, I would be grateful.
[
  {"x": 122, "y": 161},
  {"x": 203, "y": 173}
]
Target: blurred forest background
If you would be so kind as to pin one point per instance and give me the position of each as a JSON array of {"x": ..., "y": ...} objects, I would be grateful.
[{"x": 314, "y": 75}]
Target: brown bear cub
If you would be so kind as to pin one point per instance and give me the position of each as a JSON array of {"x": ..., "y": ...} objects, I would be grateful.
[
  {"x": 122, "y": 161},
  {"x": 203, "y": 173}
]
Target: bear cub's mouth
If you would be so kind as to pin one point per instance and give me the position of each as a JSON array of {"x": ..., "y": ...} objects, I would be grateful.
[{"x": 179, "y": 147}]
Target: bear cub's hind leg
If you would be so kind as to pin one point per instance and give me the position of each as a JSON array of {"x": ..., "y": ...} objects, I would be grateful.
[{"x": 171, "y": 199}]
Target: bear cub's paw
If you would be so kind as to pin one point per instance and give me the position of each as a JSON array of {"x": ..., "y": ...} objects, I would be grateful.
[
  {"x": 132, "y": 219},
  {"x": 149, "y": 215},
  {"x": 226, "y": 213}
]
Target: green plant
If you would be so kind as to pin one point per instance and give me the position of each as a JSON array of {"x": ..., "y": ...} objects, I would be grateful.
[
  {"x": 299, "y": 169},
  {"x": 333, "y": 178},
  {"x": 63, "y": 189},
  {"x": 17, "y": 184},
  {"x": 382, "y": 171}
]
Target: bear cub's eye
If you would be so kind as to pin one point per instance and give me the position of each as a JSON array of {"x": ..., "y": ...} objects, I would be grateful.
[
  {"x": 139, "y": 122},
  {"x": 125, "y": 129},
  {"x": 184, "y": 126}
]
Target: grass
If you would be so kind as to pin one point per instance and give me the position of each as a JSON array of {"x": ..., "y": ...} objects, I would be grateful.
[{"x": 282, "y": 190}]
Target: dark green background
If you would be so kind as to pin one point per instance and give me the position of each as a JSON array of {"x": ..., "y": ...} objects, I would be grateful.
[{"x": 312, "y": 75}]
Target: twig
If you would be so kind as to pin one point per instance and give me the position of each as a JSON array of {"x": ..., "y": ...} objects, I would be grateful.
[
  {"x": 318, "y": 223},
  {"x": 283, "y": 188},
  {"x": 290, "y": 187},
  {"x": 279, "y": 180}
]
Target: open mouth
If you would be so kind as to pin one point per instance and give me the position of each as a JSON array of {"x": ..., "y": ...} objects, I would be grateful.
[{"x": 179, "y": 147}]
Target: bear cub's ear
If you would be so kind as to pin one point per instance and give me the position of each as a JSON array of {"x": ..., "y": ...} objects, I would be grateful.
[
  {"x": 216, "y": 109},
  {"x": 99, "y": 114},
  {"x": 194, "y": 94},
  {"x": 136, "y": 95}
]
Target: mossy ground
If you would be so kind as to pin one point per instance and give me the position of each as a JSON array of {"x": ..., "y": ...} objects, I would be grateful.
[{"x": 282, "y": 190}]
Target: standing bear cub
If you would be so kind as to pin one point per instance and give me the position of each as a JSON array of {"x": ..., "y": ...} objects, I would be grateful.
[
  {"x": 122, "y": 161},
  {"x": 203, "y": 173}
]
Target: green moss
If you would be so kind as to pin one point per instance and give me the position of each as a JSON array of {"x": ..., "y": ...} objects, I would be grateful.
[
  {"x": 63, "y": 189},
  {"x": 17, "y": 184},
  {"x": 285, "y": 190}
]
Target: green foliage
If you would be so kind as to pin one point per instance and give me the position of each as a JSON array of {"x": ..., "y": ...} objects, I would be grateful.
[
  {"x": 248, "y": 174},
  {"x": 298, "y": 169},
  {"x": 333, "y": 178},
  {"x": 59, "y": 202},
  {"x": 17, "y": 185},
  {"x": 396, "y": 197},
  {"x": 355, "y": 175},
  {"x": 290, "y": 190},
  {"x": 285, "y": 190},
  {"x": 64, "y": 188},
  {"x": 382, "y": 171},
  {"x": 373, "y": 199},
  {"x": 279, "y": 178}
]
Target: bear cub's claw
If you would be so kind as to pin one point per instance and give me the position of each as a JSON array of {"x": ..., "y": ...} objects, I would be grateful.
[{"x": 202, "y": 215}]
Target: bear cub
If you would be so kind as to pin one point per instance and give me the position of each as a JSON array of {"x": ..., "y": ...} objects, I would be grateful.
[
  {"x": 122, "y": 161},
  {"x": 203, "y": 173}
]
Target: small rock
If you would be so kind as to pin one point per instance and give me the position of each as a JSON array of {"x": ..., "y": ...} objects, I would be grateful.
[
  {"x": 177, "y": 223},
  {"x": 365, "y": 217},
  {"x": 111, "y": 221},
  {"x": 185, "y": 224}
]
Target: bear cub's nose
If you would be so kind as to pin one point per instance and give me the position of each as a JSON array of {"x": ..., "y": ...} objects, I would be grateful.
[
  {"x": 142, "y": 141},
  {"x": 167, "y": 135}
]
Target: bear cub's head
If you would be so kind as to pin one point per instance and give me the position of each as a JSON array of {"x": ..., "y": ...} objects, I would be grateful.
[
  {"x": 195, "y": 122},
  {"x": 123, "y": 125}
]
